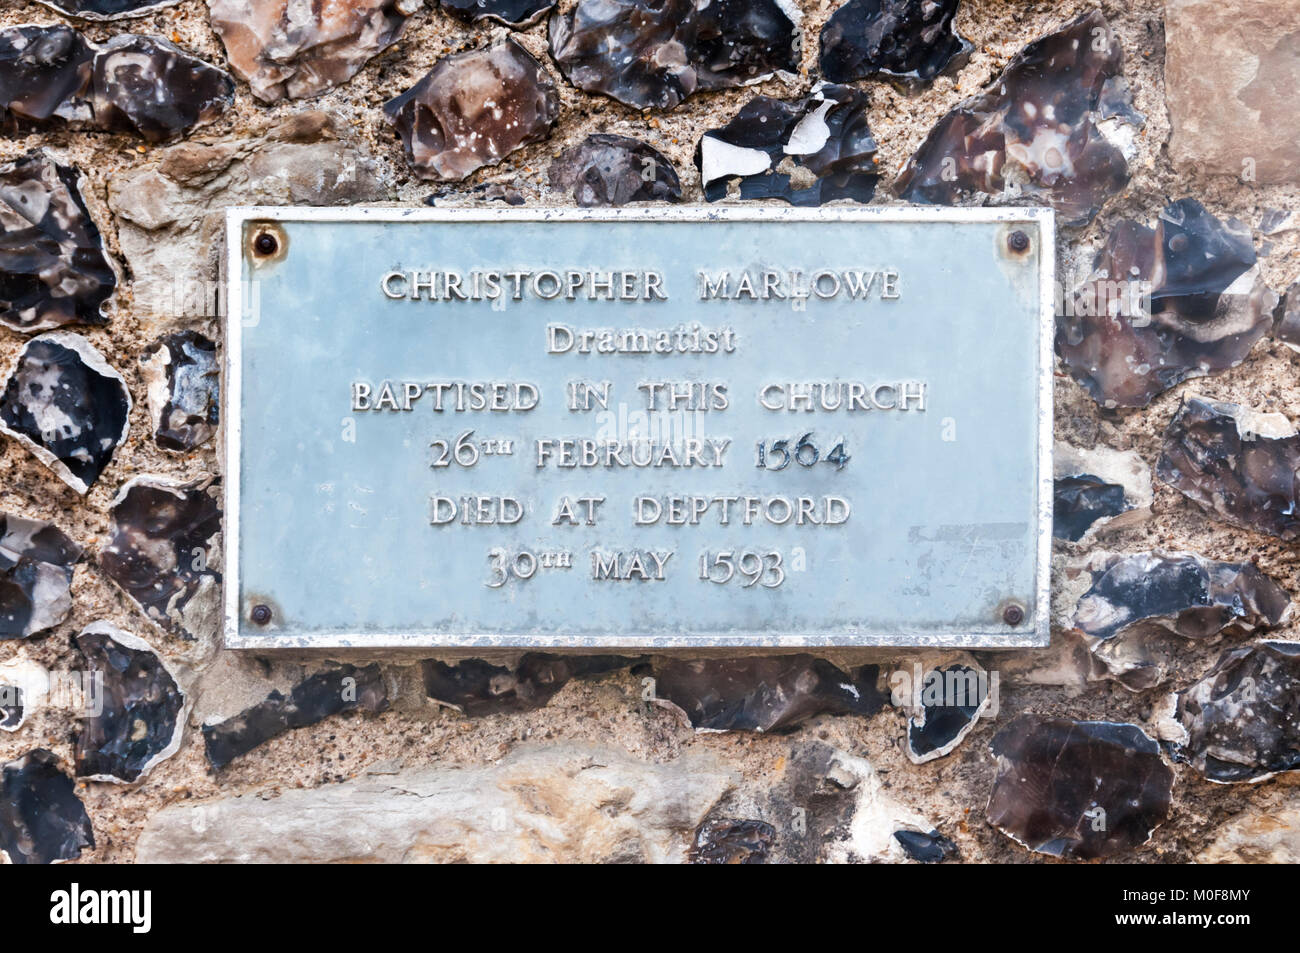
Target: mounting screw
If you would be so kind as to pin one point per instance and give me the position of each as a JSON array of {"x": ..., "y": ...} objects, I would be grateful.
[
  {"x": 1013, "y": 614},
  {"x": 261, "y": 614},
  {"x": 265, "y": 244},
  {"x": 1018, "y": 242}
]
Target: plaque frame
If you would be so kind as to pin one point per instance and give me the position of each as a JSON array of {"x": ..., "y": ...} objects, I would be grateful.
[{"x": 1035, "y": 631}]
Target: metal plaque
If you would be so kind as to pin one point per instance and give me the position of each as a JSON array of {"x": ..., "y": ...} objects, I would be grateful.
[{"x": 650, "y": 427}]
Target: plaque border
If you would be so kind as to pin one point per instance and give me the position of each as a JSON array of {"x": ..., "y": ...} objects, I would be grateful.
[{"x": 1035, "y": 631}]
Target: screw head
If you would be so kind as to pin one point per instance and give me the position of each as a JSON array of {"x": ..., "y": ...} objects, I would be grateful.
[
  {"x": 1018, "y": 241},
  {"x": 261, "y": 614},
  {"x": 265, "y": 244},
  {"x": 1013, "y": 614}
]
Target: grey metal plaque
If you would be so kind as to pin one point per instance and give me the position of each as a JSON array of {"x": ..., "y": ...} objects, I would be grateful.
[{"x": 649, "y": 427}]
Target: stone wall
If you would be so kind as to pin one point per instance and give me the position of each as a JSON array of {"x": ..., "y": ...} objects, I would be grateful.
[{"x": 1191, "y": 190}]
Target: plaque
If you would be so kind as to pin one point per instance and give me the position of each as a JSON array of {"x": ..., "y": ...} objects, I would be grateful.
[{"x": 638, "y": 428}]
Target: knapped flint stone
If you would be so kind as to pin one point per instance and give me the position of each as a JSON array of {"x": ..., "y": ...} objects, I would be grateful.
[
  {"x": 1187, "y": 594},
  {"x": 36, "y": 566},
  {"x": 24, "y": 688},
  {"x": 477, "y": 687},
  {"x": 605, "y": 170},
  {"x": 764, "y": 694},
  {"x": 952, "y": 697},
  {"x": 284, "y": 48},
  {"x": 1080, "y": 501},
  {"x": 41, "y": 818},
  {"x": 107, "y": 9},
  {"x": 1242, "y": 720},
  {"x": 931, "y": 848},
  {"x": 1239, "y": 464},
  {"x": 137, "y": 84},
  {"x": 346, "y": 688},
  {"x": 1162, "y": 305},
  {"x": 67, "y": 406},
  {"x": 908, "y": 42},
  {"x": 52, "y": 265},
  {"x": 164, "y": 539},
  {"x": 728, "y": 841},
  {"x": 183, "y": 381},
  {"x": 1287, "y": 329},
  {"x": 1036, "y": 135},
  {"x": 655, "y": 53},
  {"x": 44, "y": 71},
  {"x": 513, "y": 13},
  {"x": 12, "y": 707},
  {"x": 154, "y": 89},
  {"x": 473, "y": 109},
  {"x": 1078, "y": 789},
  {"x": 807, "y": 152},
  {"x": 142, "y": 719}
]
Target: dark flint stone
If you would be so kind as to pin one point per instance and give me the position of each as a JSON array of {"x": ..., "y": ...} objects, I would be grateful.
[
  {"x": 1181, "y": 592},
  {"x": 162, "y": 542},
  {"x": 656, "y": 53},
  {"x": 1078, "y": 789},
  {"x": 52, "y": 266},
  {"x": 36, "y": 566},
  {"x": 67, "y": 406},
  {"x": 141, "y": 720},
  {"x": 1125, "y": 347},
  {"x": 1079, "y": 501},
  {"x": 1214, "y": 454},
  {"x": 728, "y": 841},
  {"x": 41, "y": 818},
  {"x": 156, "y": 90},
  {"x": 477, "y": 687},
  {"x": 818, "y": 149},
  {"x": 473, "y": 109},
  {"x": 106, "y": 9},
  {"x": 513, "y": 13},
  {"x": 44, "y": 71},
  {"x": 931, "y": 848},
  {"x": 605, "y": 170},
  {"x": 182, "y": 370},
  {"x": 908, "y": 42},
  {"x": 1243, "y": 718},
  {"x": 343, "y": 689},
  {"x": 1034, "y": 135},
  {"x": 941, "y": 726},
  {"x": 773, "y": 693}
]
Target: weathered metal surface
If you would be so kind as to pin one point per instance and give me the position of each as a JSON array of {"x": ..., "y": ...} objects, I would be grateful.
[{"x": 924, "y": 520}]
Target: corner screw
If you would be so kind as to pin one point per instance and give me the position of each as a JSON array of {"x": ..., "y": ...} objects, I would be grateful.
[
  {"x": 261, "y": 614},
  {"x": 1018, "y": 241},
  {"x": 265, "y": 244},
  {"x": 1013, "y": 614}
]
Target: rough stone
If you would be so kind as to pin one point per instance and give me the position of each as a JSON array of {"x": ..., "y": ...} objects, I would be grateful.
[
  {"x": 36, "y": 565},
  {"x": 1041, "y": 133},
  {"x": 605, "y": 170},
  {"x": 1271, "y": 836},
  {"x": 53, "y": 270},
  {"x": 1078, "y": 789},
  {"x": 142, "y": 716},
  {"x": 1162, "y": 305},
  {"x": 473, "y": 109},
  {"x": 562, "y": 803},
  {"x": 1230, "y": 71},
  {"x": 1242, "y": 719},
  {"x": 282, "y": 48},
  {"x": 908, "y": 42},
  {"x": 655, "y": 53},
  {"x": 808, "y": 152},
  {"x": 164, "y": 551},
  {"x": 182, "y": 380},
  {"x": 1237, "y": 463},
  {"x": 65, "y": 404},
  {"x": 41, "y": 818}
]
